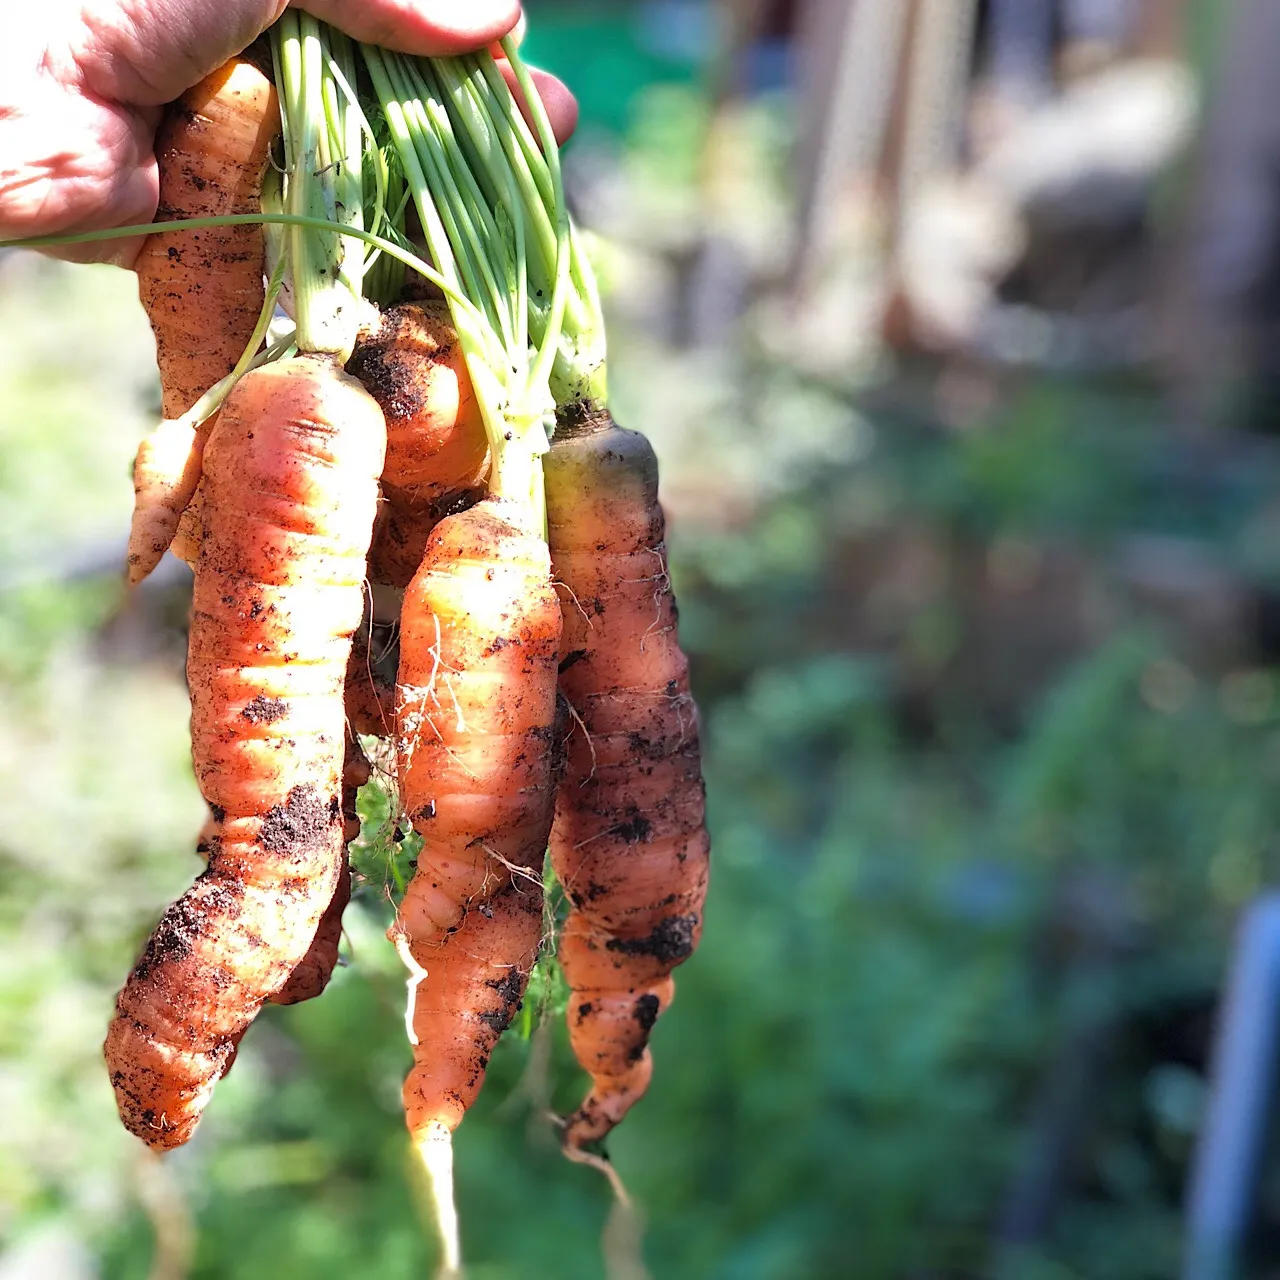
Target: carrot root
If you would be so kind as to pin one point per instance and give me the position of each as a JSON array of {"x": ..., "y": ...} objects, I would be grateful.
[{"x": 434, "y": 1147}]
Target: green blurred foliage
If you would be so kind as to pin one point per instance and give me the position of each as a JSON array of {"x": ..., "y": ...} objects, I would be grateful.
[
  {"x": 923, "y": 911},
  {"x": 905, "y": 936}
]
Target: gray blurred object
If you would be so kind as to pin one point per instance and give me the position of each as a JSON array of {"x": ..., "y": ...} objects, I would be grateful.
[
  {"x": 1104, "y": 21},
  {"x": 1229, "y": 1155},
  {"x": 1227, "y": 342},
  {"x": 1020, "y": 49},
  {"x": 847, "y": 69}
]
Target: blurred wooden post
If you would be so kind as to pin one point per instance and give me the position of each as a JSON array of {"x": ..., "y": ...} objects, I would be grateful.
[
  {"x": 937, "y": 89},
  {"x": 849, "y": 56},
  {"x": 1226, "y": 359}
]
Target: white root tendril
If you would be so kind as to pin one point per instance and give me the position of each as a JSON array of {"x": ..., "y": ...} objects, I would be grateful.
[
  {"x": 435, "y": 1149},
  {"x": 417, "y": 974}
]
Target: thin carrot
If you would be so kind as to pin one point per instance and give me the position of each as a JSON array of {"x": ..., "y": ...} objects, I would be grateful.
[
  {"x": 291, "y": 484},
  {"x": 477, "y": 764},
  {"x": 475, "y": 714},
  {"x": 629, "y": 844},
  {"x": 202, "y": 290},
  {"x": 464, "y": 991}
]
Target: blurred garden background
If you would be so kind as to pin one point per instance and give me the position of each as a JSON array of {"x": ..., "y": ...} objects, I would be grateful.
[{"x": 955, "y": 326}]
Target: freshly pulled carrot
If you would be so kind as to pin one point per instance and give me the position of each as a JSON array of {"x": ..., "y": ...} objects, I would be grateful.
[
  {"x": 475, "y": 715},
  {"x": 629, "y": 844},
  {"x": 413, "y": 366},
  {"x": 477, "y": 762},
  {"x": 166, "y": 473},
  {"x": 465, "y": 990},
  {"x": 202, "y": 290},
  {"x": 291, "y": 485}
]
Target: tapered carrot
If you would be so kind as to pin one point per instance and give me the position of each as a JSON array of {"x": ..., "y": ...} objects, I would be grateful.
[
  {"x": 630, "y": 843},
  {"x": 477, "y": 762},
  {"x": 464, "y": 991},
  {"x": 475, "y": 714},
  {"x": 291, "y": 484},
  {"x": 202, "y": 290},
  {"x": 315, "y": 969}
]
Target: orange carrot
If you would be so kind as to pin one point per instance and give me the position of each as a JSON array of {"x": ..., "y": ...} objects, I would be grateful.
[
  {"x": 314, "y": 970},
  {"x": 202, "y": 290},
  {"x": 291, "y": 485},
  {"x": 414, "y": 368},
  {"x": 629, "y": 844},
  {"x": 476, "y": 716},
  {"x": 469, "y": 987}
]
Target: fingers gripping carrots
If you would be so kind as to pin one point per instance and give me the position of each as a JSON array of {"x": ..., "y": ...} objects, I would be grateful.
[
  {"x": 203, "y": 290},
  {"x": 291, "y": 474},
  {"x": 629, "y": 844}
]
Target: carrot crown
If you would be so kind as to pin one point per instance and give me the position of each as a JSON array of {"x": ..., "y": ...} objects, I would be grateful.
[
  {"x": 491, "y": 208},
  {"x": 324, "y": 177}
]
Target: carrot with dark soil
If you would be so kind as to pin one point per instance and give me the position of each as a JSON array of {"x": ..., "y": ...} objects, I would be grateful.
[
  {"x": 291, "y": 479},
  {"x": 630, "y": 843},
  {"x": 413, "y": 366},
  {"x": 202, "y": 290},
  {"x": 475, "y": 714}
]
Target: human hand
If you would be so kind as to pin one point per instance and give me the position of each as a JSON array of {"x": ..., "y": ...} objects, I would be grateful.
[{"x": 82, "y": 93}]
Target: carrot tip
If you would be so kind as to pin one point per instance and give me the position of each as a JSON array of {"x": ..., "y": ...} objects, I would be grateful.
[{"x": 434, "y": 1145}]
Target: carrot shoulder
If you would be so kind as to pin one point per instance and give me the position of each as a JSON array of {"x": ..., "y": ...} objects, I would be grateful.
[
  {"x": 413, "y": 366},
  {"x": 630, "y": 843},
  {"x": 202, "y": 290},
  {"x": 291, "y": 475}
]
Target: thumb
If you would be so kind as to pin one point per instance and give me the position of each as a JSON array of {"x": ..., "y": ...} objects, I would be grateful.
[{"x": 150, "y": 52}]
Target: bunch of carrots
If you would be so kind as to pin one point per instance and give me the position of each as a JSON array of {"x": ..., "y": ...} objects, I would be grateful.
[{"x": 383, "y": 366}]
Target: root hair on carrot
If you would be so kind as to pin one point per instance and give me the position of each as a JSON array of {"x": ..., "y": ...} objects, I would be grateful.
[{"x": 434, "y": 1146}]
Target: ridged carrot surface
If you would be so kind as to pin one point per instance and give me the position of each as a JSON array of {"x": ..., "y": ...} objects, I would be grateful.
[
  {"x": 313, "y": 972},
  {"x": 414, "y": 367},
  {"x": 476, "y": 728},
  {"x": 291, "y": 479},
  {"x": 202, "y": 290},
  {"x": 629, "y": 843},
  {"x": 475, "y": 712}
]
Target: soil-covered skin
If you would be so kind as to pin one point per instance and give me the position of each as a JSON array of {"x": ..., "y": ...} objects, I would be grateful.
[
  {"x": 481, "y": 727},
  {"x": 413, "y": 366},
  {"x": 203, "y": 290},
  {"x": 279, "y": 591},
  {"x": 629, "y": 843},
  {"x": 476, "y": 715},
  {"x": 475, "y": 980}
]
